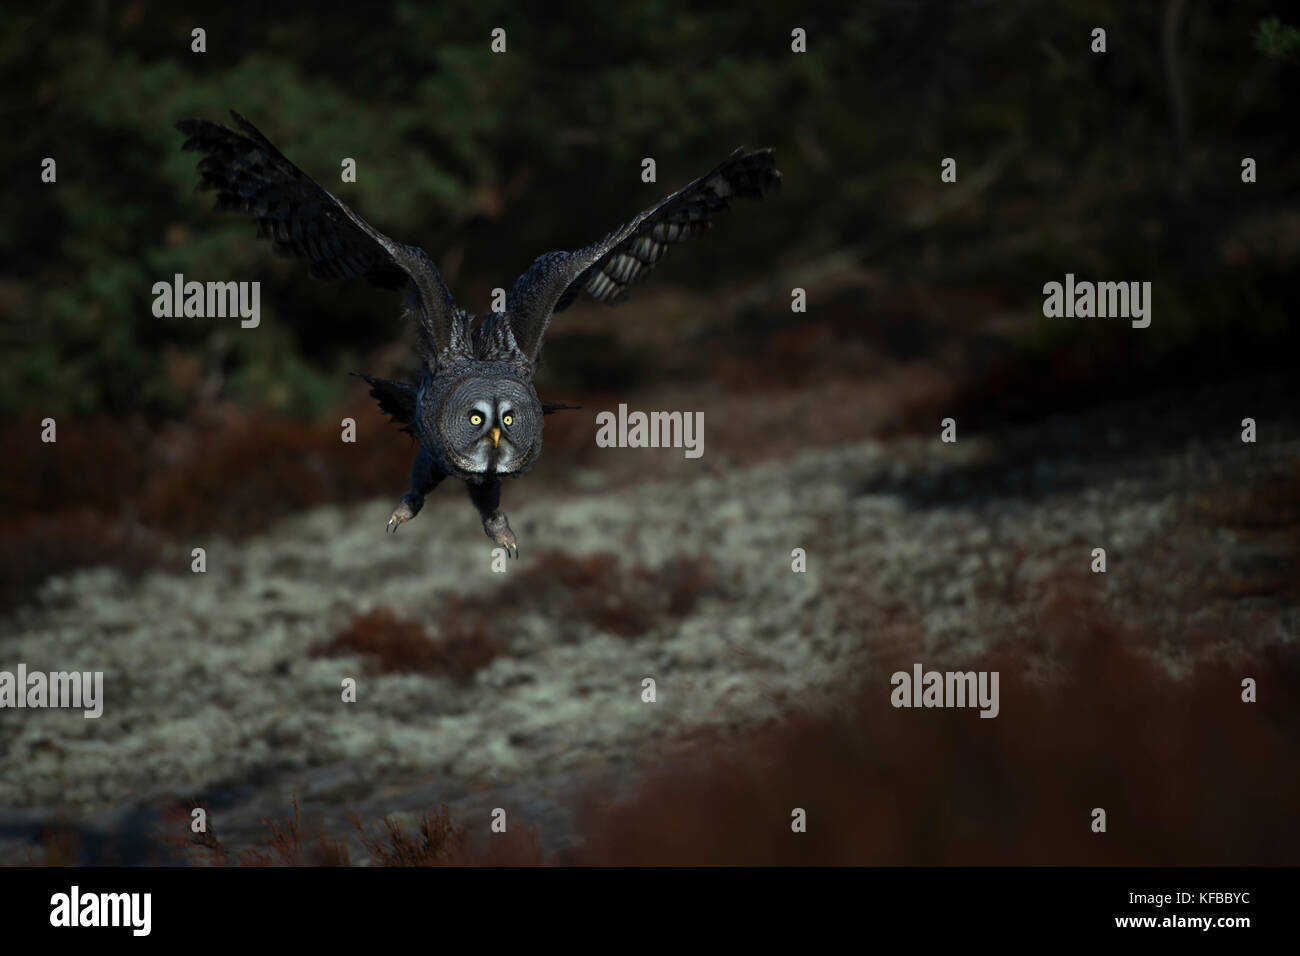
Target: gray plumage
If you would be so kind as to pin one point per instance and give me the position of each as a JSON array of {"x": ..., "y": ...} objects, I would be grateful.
[{"x": 474, "y": 410}]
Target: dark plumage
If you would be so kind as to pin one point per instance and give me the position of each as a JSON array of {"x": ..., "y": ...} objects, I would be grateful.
[{"x": 474, "y": 410}]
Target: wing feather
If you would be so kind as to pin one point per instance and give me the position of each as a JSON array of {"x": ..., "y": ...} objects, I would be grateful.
[
  {"x": 606, "y": 269},
  {"x": 304, "y": 220}
]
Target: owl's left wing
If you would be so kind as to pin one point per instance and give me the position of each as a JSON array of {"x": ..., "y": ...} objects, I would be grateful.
[
  {"x": 304, "y": 220},
  {"x": 606, "y": 268}
]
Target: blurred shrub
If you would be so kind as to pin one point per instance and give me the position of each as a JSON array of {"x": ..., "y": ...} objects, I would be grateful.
[{"x": 488, "y": 160}]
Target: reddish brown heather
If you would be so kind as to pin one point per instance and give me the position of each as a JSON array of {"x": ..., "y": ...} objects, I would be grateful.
[
  {"x": 598, "y": 590},
  {"x": 1188, "y": 775},
  {"x": 395, "y": 645}
]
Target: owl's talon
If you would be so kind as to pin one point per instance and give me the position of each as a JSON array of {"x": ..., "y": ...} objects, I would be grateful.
[
  {"x": 497, "y": 528},
  {"x": 406, "y": 509}
]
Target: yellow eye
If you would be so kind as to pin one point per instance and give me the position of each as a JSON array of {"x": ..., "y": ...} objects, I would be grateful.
[
  {"x": 507, "y": 419},
  {"x": 476, "y": 419}
]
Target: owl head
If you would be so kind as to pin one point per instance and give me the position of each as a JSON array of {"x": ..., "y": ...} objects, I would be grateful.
[{"x": 489, "y": 426}]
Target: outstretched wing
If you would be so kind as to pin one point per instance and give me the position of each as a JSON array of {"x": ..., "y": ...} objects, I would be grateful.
[
  {"x": 606, "y": 268},
  {"x": 304, "y": 220}
]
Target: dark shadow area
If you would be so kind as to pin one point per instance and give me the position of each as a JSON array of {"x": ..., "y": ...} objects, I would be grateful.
[{"x": 1121, "y": 439}]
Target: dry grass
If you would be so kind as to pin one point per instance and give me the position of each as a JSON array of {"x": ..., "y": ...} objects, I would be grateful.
[
  {"x": 436, "y": 841},
  {"x": 56, "y": 846},
  {"x": 283, "y": 845},
  {"x": 598, "y": 591},
  {"x": 394, "y": 645},
  {"x": 34, "y": 546},
  {"x": 1187, "y": 773},
  {"x": 602, "y": 591},
  {"x": 119, "y": 492},
  {"x": 1263, "y": 516}
]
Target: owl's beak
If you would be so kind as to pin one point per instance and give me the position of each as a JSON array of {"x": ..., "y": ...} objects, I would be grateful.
[{"x": 496, "y": 436}]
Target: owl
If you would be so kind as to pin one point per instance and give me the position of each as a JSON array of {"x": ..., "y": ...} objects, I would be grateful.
[{"x": 473, "y": 410}]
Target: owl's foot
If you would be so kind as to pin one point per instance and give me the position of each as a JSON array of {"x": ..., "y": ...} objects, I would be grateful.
[
  {"x": 496, "y": 527},
  {"x": 406, "y": 509}
]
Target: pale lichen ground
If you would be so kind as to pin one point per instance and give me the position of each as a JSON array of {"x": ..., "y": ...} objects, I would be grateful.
[{"x": 210, "y": 692}]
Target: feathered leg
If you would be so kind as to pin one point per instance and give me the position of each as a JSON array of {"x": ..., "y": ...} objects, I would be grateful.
[
  {"x": 424, "y": 478},
  {"x": 487, "y": 499}
]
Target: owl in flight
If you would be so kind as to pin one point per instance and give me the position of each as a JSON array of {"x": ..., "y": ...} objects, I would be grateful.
[{"x": 474, "y": 410}]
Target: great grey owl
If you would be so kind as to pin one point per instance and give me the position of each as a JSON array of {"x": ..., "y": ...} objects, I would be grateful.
[{"x": 474, "y": 410}]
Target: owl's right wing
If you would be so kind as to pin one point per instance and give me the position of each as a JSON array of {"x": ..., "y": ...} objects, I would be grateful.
[
  {"x": 606, "y": 268},
  {"x": 305, "y": 220}
]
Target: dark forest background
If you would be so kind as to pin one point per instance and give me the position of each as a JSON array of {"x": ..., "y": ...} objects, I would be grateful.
[{"x": 1122, "y": 166}]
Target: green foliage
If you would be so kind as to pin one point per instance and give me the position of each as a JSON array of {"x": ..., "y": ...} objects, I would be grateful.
[
  {"x": 439, "y": 126},
  {"x": 487, "y": 160},
  {"x": 1276, "y": 39}
]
